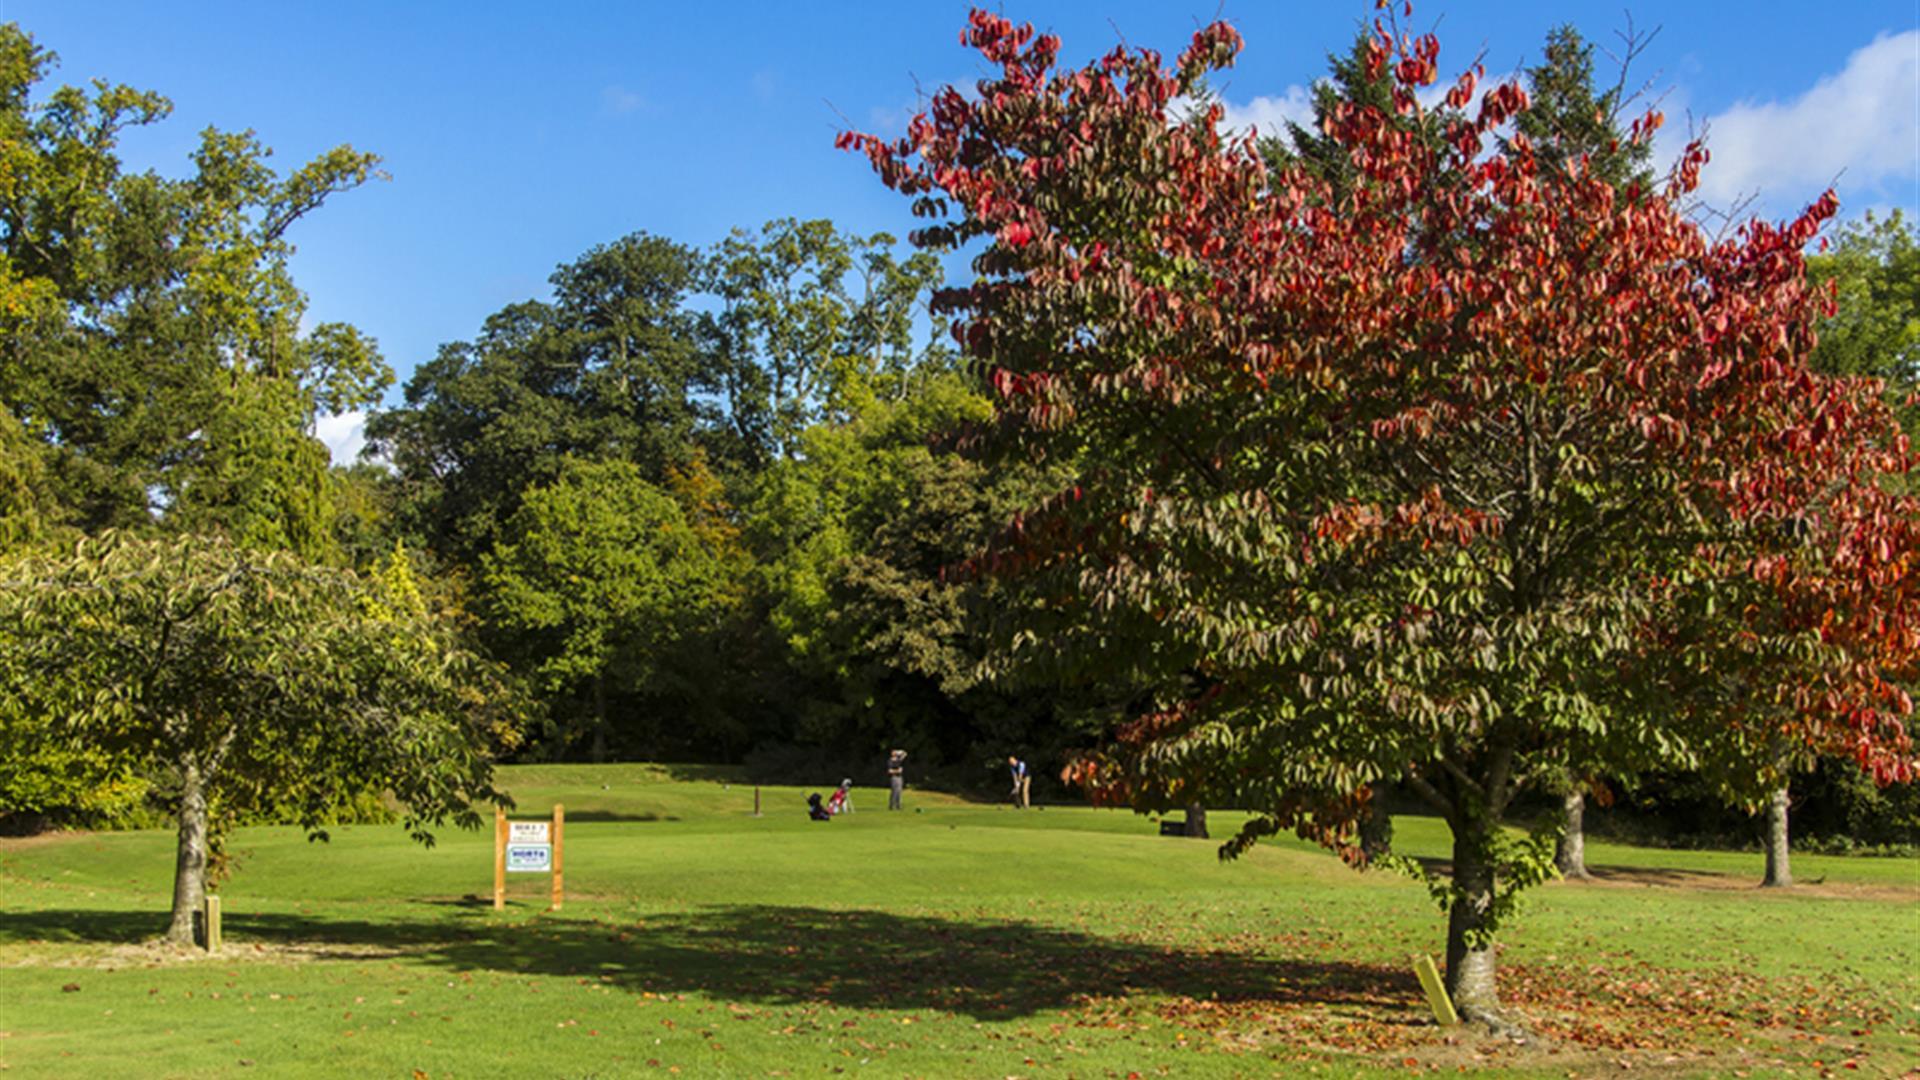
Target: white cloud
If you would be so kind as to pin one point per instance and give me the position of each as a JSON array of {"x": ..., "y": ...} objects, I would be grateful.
[
  {"x": 1861, "y": 125},
  {"x": 344, "y": 433},
  {"x": 1434, "y": 95},
  {"x": 1270, "y": 115},
  {"x": 618, "y": 99}
]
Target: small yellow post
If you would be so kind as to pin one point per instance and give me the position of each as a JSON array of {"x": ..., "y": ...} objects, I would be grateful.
[
  {"x": 213, "y": 922},
  {"x": 559, "y": 825},
  {"x": 1436, "y": 990},
  {"x": 499, "y": 858}
]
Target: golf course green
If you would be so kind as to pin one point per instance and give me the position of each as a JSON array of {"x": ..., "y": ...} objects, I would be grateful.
[{"x": 954, "y": 939}]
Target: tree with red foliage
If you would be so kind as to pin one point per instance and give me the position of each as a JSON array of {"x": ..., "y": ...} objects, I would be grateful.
[{"x": 1469, "y": 473}]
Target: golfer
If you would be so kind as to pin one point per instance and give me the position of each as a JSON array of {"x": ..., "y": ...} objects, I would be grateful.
[
  {"x": 896, "y": 777},
  {"x": 1022, "y": 783}
]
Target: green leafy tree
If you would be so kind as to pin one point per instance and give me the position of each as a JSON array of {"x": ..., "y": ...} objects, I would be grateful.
[
  {"x": 137, "y": 311},
  {"x": 23, "y": 485},
  {"x": 600, "y": 574},
  {"x": 1573, "y": 124},
  {"x": 152, "y": 373},
  {"x": 852, "y": 534},
  {"x": 608, "y": 370},
  {"x": 1309, "y": 146},
  {"x": 810, "y": 318},
  {"x": 1874, "y": 329},
  {"x": 256, "y": 681}
]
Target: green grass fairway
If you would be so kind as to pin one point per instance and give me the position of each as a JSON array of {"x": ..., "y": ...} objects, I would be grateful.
[{"x": 952, "y": 940}]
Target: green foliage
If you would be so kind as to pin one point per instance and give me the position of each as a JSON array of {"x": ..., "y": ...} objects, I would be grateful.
[
  {"x": 49, "y": 781},
  {"x": 258, "y": 683},
  {"x": 23, "y": 485},
  {"x": 253, "y": 472},
  {"x": 598, "y": 578},
  {"x": 1571, "y": 122},
  {"x": 607, "y": 370},
  {"x": 801, "y": 342},
  {"x": 1348, "y": 80},
  {"x": 149, "y": 337},
  {"x": 152, "y": 373},
  {"x": 1874, "y": 331},
  {"x": 789, "y": 420}
]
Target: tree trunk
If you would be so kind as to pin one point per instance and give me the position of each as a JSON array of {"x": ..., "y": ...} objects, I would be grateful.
[
  {"x": 190, "y": 856},
  {"x": 1376, "y": 827},
  {"x": 599, "y": 749},
  {"x": 1570, "y": 855},
  {"x": 1470, "y": 964},
  {"x": 1196, "y": 821},
  {"x": 1779, "y": 869}
]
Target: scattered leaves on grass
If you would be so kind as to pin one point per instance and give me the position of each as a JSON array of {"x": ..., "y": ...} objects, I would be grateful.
[{"x": 1633, "y": 1013}]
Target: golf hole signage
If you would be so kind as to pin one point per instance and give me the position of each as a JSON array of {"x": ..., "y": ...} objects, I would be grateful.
[{"x": 527, "y": 847}]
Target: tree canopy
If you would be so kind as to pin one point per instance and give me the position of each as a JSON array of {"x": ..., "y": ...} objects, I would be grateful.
[
  {"x": 1460, "y": 473},
  {"x": 255, "y": 680},
  {"x": 606, "y": 578}
]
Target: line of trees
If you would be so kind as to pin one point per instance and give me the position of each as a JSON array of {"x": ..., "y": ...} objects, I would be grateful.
[{"x": 699, "y": 501}]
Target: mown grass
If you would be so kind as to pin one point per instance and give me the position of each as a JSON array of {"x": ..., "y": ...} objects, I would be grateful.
[{"x": 951, "y": 940}]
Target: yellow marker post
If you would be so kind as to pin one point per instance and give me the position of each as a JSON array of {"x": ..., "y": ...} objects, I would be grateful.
[
  {"x": 559, "y": 848},
  {"x": 1436, "y": 990},
  {"x": 212, "y": 917}
]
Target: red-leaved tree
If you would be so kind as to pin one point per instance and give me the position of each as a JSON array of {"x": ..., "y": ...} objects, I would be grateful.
[{"x": 1467, "y": 474}]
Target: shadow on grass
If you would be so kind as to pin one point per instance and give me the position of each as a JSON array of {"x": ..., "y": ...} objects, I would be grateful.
[
  {"x": 781, "y": 955},
  {"x": 1669, "y": 876}
]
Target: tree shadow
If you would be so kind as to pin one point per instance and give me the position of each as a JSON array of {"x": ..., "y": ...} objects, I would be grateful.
[
  {"x": 1669, "y": 876},
  {"x": 789, "y": 955},
  {"x": 80, "y": 926}
]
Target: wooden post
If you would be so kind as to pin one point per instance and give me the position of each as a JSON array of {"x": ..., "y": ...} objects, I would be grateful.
[
  {"x": 1436, "y": 990},
  {"x": 213, "y": 922},
  {"x": 559, "y": 825},
  {"x": 499, "y": 858},
  {"x": 756, "y": 800}
]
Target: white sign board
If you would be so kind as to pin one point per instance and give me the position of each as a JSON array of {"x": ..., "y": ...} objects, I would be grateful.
[
  {"x": 528, "y": 832},
  {"x": 529, "y": 858}
]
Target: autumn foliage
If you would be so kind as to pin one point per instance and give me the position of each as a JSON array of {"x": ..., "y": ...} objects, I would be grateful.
[{"x": 1469, "y": 471}]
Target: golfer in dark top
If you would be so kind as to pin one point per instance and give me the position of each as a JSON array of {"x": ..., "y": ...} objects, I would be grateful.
[
  {"x": 1020, "y": 781},
  {"x": 896, "y": 777}
]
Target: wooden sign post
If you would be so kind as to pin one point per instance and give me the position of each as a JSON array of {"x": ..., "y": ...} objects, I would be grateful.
[
  {"x": 499, "y": 858},
  {"x": 212, "y": 922},
  {"x": 531, "y": 847},
  {"x": 559, "y": 848}
]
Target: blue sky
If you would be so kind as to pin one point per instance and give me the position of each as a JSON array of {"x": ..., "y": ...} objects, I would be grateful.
[{"x": 519, "y": 135}]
